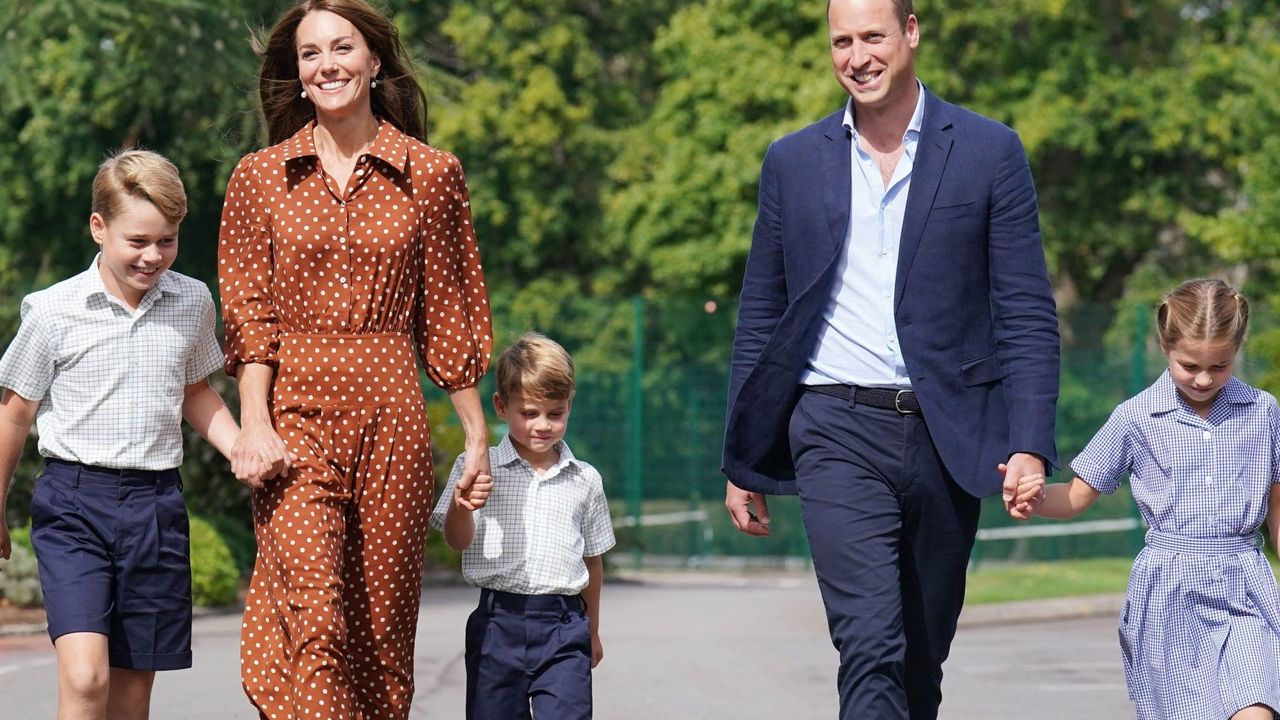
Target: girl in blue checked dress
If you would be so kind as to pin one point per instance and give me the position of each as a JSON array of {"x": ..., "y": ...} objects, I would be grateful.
[{"x": 1200, "y": 631}]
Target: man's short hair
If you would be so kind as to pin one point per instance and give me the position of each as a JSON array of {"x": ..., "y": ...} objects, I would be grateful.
[
  {"x": 537, "y": 367},
  {"x": 902, "y": 8}
]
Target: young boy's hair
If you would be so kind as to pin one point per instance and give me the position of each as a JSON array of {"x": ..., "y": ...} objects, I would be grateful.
[
  {"x": 141, "y": 174},
  {"x": 1203, "y": 309},
  {"x": 537, "y": 367}
]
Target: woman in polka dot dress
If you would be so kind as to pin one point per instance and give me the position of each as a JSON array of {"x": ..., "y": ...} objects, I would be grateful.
[{"x": 344, "y": 246}]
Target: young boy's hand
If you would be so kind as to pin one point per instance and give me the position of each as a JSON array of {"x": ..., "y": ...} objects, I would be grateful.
[
  {"x": 473, "y": 495},
  {"x": 5, "y": 546},
  {"x": 597, "y": 649}
]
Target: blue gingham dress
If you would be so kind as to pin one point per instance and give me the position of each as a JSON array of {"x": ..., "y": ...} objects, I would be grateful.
[{"x": 1200, "y": 631}]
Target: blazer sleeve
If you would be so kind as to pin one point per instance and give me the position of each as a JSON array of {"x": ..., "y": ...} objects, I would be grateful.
[
  {"x": 764, "y": 287},
  {"x": 1023, "y": 310}
]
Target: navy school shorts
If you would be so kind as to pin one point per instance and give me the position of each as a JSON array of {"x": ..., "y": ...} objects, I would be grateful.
[{"x": 113, "y": 547}]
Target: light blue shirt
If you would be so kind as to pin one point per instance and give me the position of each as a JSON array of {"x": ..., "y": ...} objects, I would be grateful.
[{"x": 858, "y": 341}]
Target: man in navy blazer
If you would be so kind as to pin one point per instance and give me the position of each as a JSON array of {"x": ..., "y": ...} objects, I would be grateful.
[{"x": 896, "y": 349}]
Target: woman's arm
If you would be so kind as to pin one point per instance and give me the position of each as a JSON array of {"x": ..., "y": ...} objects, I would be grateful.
[{"x": 258, "y": 441}]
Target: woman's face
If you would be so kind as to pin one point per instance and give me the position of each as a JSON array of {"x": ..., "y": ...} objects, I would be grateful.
[{"x": 335, "y": 65}]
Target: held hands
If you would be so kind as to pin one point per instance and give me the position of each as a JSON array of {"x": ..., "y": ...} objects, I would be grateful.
[
  {"x": 6, "y": 549},
  {"x": 749, "y": 510},
  {"x": 475, "y": 493},
  {"x": 1022, "y": 499},
  {"x": 473, "y": 488},
  {"x": 259, "y": 455}
]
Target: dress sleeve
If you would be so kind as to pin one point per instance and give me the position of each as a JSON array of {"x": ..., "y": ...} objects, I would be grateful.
[
  {"x": 245, "y": 266},
  {"x": 453, "y": 329},
  {"x": 1108, "y": 455}
]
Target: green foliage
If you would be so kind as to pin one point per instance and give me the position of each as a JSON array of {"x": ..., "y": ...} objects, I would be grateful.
[
  {"x": 613, "y": 151},
  {"x": 214, "y": 577},
  {"x": 19, "y": 576},
  {"x": 238, "y": 539}
]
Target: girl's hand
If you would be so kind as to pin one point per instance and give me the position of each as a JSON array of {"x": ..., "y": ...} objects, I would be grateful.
[{"x": 1029, "y": 495}]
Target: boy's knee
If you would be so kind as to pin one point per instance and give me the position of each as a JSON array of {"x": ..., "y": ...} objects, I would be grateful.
[{"x": 84, "y": 681}]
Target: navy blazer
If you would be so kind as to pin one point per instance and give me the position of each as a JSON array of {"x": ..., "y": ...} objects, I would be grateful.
[{"x": 973, "y": 305}]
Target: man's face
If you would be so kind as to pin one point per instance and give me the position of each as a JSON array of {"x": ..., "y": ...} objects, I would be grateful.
[{"x": 873, "y": 56}]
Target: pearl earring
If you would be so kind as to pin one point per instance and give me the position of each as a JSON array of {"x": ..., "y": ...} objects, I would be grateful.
[
  {"x": 373, "y": 83},
  {"x": 304, "y": 94}
]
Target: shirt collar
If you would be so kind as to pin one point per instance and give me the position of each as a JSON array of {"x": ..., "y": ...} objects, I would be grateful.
[
  {"x": 505, "y": 454},
  {"x": 391, "y": 146},
  {"x": 92, "y": 284},
  {"x": 1165, "y": 398},
  {"x": 913, "y": 127}
]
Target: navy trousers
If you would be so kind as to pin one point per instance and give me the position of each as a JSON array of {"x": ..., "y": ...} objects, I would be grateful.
[
  {"x": 891, "y": 533},
  {"x": 528, "y": 653}
]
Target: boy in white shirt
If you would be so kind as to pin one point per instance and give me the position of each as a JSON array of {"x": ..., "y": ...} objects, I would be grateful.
[
  {"x": 107, "y": 364},
  {"x": 532, "y": 540}
]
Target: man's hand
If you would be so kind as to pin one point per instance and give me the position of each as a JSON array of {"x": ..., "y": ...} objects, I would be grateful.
[
  {"x": 749, "y": 510},
  {"x": 1019, "y": 466},
  {"x": 1028, "y": 495}
]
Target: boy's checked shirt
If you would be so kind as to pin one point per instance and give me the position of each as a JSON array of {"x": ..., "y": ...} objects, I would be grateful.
[
  {"x": 110, "y": 380},
  {"x": 533, "y": 532}
]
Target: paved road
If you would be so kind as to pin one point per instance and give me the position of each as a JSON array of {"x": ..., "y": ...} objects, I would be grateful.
[{"x": 675, "y": 647}]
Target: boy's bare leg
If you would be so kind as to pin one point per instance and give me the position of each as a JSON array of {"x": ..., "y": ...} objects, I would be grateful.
[
  {"x": 83, "y": 676},
  {"x": 130, "y": 697}
]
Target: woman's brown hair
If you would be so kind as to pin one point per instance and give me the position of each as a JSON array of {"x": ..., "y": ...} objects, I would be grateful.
[
  {"x": 398, "y": 98},
  {"x": 1203, "y": 309}
]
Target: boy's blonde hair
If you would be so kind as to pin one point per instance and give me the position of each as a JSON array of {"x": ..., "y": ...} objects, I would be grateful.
[
  {"x": 537, "y": 367},
  {"x": 1203, "y": 309},
  {"x": 141, "y": 174}
]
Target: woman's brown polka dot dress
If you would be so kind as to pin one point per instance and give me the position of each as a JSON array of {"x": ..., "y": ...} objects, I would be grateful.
[{"x": 335, "y": 290}]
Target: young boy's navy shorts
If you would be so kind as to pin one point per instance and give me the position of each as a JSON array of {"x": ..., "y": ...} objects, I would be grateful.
[
  {"x": 113, "y": 548},
  {"x": 528, "y": 652}
]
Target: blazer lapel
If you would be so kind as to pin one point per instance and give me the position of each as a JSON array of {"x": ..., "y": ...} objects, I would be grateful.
[
  {"x": 926, "y": 173},
  {"x": 837, "y": 177}
]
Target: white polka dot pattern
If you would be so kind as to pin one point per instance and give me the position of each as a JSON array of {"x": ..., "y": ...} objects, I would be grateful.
[{"x": 335, "y": 291}]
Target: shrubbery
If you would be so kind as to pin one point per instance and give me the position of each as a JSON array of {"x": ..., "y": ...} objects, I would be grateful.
[
  {"x": 215, "y": 580},
  {"x": 19, "y": 579}
]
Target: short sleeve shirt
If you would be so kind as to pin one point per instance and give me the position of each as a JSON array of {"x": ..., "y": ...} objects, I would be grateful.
[
  {"x": 110, "y": 380},
  {"x": 534, "y": 531},
  {"x": 1191, "y": 476}
]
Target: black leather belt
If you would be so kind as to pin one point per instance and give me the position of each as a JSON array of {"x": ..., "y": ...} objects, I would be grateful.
[{"x": 903, "y": 401}]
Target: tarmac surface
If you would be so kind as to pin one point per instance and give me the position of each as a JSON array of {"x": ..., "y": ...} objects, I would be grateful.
[{"x": 679, "y": 645}]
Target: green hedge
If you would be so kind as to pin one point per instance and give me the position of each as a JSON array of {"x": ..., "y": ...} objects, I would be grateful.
[{"x": 215, "y": 580}]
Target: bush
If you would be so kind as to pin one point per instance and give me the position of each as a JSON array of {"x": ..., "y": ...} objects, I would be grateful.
[
  {"x": 214, "y": 577},
  {"x": 239, "y": 539},
  {"x": 19, "y": 575}
]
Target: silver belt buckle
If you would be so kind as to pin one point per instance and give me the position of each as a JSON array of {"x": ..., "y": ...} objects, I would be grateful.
[{"x": 897, "y": 404}]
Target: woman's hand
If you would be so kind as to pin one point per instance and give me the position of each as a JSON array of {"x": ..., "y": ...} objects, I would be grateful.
[{"x": 259, "y": 454}]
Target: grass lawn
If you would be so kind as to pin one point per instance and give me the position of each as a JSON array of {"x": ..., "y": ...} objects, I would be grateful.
[{"x": 1031, "y": 581}]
